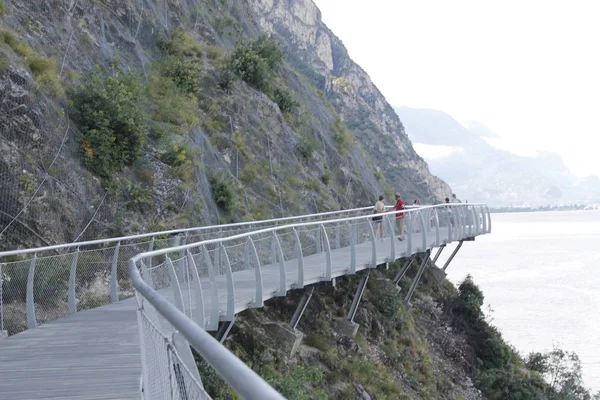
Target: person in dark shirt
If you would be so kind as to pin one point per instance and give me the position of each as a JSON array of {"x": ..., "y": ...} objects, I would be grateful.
[{"x": 399, "y": 216}]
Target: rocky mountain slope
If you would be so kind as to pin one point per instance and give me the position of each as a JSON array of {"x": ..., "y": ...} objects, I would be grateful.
[
  {"x": 479, "y": 172},
  {"x": 203, "y": 123}
]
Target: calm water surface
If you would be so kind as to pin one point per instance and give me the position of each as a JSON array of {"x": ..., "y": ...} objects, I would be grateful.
[{"x": 540, "y": 273}]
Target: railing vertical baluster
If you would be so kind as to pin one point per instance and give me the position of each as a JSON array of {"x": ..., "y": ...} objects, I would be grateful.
[
  {"x": 408, "y": 233},
  {"x": 449, "y": 219},
  {"x": 146, "y": 275},
  {"x": 278, "y": 253},
  {"x": 476, "y": 214},
  {"x": 489, "y": 217},
  {"x": 214, "y": 315},
  {"x": 178, "y": 296},
  {"x": 328, "y": 272},
  {"x": 353, "y": 227},
  {"x": 258, "y": 280},
  {"x": 373, "y": 246},
  {"x": 437, "y": 227},
  {"x": 114, "y": 285},
  {"x": 200, "y": 317},
  {"x": 337, "y": 236},
  {"x": 424, "y": 231},
  {"x": 151, "y": 245},
  {"x": 72, "y": 283},
  {"x": 230, "y": 286},
  {"x": 319, "y": 242},
  {"x": 31, "y": 320},
  {"x": 300, "y": 258},
  {"x": 391, "y": 221}
]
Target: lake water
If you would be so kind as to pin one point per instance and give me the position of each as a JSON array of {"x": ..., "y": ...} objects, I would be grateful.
[{"x": 540, "y": 273}]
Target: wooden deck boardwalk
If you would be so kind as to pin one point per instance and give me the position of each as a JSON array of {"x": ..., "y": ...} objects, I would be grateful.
[{"x": 95, "y": 354}]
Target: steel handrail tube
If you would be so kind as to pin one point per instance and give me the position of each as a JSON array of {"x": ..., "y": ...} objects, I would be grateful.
[
  {"x": 238, "y": 375},
  {"x": 171, "y": 232},
  {"x": 153, "y": 253}
]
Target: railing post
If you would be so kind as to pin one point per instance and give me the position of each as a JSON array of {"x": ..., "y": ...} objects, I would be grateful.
[
  {"x": 408, "y": 233},
  {"x": 230, "y": 287},
  {"x": 146, "y": 274},
  {"x": 476, "y": 221},
  {"x": 178, "y": 296},
  {"x": 353, "y": 239},
  {"x": 151, "y": 245},
  {"x": 200, "y": 317},
  {"x": 300, "y": 258},
  {"x": 114, "y": 285},
  {"x": 423, "y": 231},
  {"x": 214, "y": 315},
  {"x": 489, "y": 217},
  {"x": 72, "y": 283},
  {"x": 373, "y": 246},
  {"x": 31, "y": 321},
  {"x": 337, "y": 236},
  {"x": 391, "y": 221},
  {"x": 258, "y": 280},
  {"x": 278, "y": 254},
  {"x": 328, "y": 272},
  {"x": 437, "y": 227},
  {"x": 447, "y": 211},
  {"x": 319, "y": 242}
]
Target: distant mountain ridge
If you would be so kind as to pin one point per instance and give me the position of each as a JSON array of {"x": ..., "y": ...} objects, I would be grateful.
[{"x": 479, "y": 172}]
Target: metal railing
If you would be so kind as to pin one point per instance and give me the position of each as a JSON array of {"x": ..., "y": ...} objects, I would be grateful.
[
  {"x": 191, "y": 288},
  {"x": 43, "y": 284}
]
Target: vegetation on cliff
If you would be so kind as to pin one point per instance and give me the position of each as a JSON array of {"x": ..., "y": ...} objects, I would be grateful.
[{"x": 440, "y": 347}]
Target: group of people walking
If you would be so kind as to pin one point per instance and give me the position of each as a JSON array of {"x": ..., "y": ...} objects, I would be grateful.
[{"x": 380, "y": 208}]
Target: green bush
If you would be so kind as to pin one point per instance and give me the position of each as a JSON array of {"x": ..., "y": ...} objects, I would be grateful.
[
  {"x": 111, "y": 122},
  {"x": 181, "y": 44},
  {"x": 184, "y": 73},
  {"x": 139, "y": 198},
  {"x": 342, "y": 137},
  {"x": 285, "y": 99},
  {"x": 170, "y": 104},
  {"x": 2, "y": 10},
  {"x": 9, "y": 38},
  {"x": 306, "y": 147},
  {"x": 511, "y": 384},
  {"x": 222, "y": 193},
  {"x": 254, "y": 62}
]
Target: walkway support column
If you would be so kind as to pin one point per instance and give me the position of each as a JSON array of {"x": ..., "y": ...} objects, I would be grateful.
[
  {"x": 301, "y": 307},
  {"x": 403, "y": 270},
  {"x": 417, "y": 278},
  {"x": 438, "y": 253},
  {"x": 452, "y": 255},
  {"x": 347, "y": 326}
]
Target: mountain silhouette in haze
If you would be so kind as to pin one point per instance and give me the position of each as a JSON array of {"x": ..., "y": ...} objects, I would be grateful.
[{"x": 463, "y": 156}]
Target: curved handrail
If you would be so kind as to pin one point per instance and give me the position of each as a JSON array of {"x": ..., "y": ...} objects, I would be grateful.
[
  {"x": 175, "y": 231},
  {"x": 164, "y": 251},
  {"x": 242, "y": 378},
  {"x": 192, "y": 327}
]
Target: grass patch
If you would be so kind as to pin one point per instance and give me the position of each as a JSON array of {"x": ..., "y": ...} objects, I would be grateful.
[
  {"x": 9, "y": 38},
  {"x": 319, "y": 342},
  {"x": 44, "y": 70}
]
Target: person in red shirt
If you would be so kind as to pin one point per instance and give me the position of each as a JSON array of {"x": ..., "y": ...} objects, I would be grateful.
[{"x": 399, "y": 216}]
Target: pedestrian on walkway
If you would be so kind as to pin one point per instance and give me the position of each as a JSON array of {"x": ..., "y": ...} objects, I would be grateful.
[
  {"x": 399, "y": 216},
  {"x": 378, "y": 209}
]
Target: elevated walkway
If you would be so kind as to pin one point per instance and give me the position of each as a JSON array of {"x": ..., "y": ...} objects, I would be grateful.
[{"x": 95, "y": 354}]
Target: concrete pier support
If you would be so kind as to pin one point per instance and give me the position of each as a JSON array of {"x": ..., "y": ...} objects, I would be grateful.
[{"x": 288, "y": 339}]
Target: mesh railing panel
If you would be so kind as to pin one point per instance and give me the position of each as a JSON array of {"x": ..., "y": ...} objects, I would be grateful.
[{"x": 165, "y": 376}]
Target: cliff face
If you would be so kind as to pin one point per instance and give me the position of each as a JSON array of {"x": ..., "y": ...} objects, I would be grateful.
[
  {"x": 226, "y": 154},
  {"x": 353, "y": 94}
]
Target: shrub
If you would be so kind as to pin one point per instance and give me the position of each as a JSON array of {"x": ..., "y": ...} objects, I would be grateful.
[
  {"x": 139, "y": 198},
  {"x": 170, "y": 104},
  {"x": 2, "y": 7},
  {"x": 181, "y": 44},
  {"x": 306, "y": 147},
  {"x": 342, "y": 136},
  {"x": 112, "y": 125},
  {"x": 184, "y": 73},
  {"x": 284, "y": 99},
  {"x": 318, "y": 342},
  {"x": 254, "y": 62},
  {"x": 222, "y": 193}
]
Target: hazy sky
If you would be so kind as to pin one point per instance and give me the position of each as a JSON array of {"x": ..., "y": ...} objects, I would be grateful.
[{"x": 529, "y": 70}]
